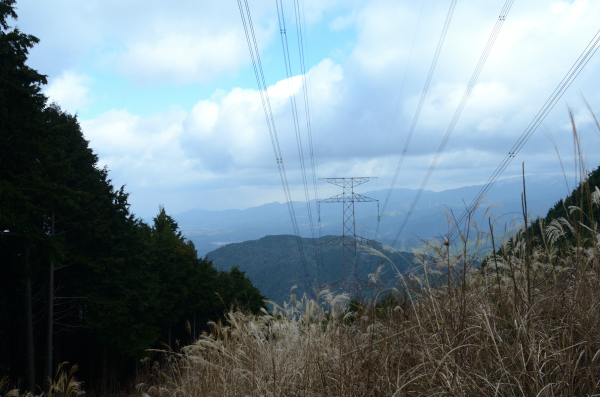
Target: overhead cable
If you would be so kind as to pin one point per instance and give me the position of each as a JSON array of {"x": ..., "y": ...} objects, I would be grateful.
[
  {"x": 398, "y": 105},
  {"x": 300, "y": 34},
  {"x": 558, "y": 92},
  {"x": 302, "y": 54},
  {"x": 486, "y": 52},
  {"x": 421, "y": 100},
  {"x": 266, "y": 104},
  {"x": 288, "y": 70}
]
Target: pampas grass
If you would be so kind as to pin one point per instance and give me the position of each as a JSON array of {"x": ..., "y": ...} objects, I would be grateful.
[
  {"x": 64, "y": 384},
  {"x": 524, "y": 321},
  {"x": 521, "y": 321},
  {"x": 453, "y": 329}
]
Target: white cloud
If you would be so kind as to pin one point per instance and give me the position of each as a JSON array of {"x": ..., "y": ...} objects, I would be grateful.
[
  {"x": 140, "y": 150},
  {"x": 343, "y": 22},
  {"x": 184, "y": 58},
  {"x": 149, "y": 42},
  {"x": 222, "y": 145},
  {"x": 203, "y": 117},
  {"x": 222, "y": 142},
  {"x": 230, "y": 133},
  {"x": 70, "y": 90}
]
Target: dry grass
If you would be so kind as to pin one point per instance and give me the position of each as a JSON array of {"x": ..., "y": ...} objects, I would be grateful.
[
  {"x": 64, "y": 384},
  {"x": 525, "y": 325}
]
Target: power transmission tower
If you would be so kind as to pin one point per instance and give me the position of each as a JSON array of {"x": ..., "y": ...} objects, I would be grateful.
[{"x": 349, "y": 241}]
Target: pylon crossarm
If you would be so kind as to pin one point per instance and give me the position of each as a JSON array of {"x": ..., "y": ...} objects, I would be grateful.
[
  {"x": 334, "y": 241},
  {"x": 335, "y": 199},
  {"x": 340, "y": 198},
  {"x": 347, "y": 182},
  {"x": 365, "y": 241},
  {"x": 362, "y": 199}
]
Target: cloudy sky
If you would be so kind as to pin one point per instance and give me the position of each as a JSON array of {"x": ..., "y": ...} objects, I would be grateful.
[{"x": 166, "y": 93}]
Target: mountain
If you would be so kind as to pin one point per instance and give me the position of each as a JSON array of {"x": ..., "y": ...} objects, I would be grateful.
[
  {"x": 212, "y": 229},
  {"x": 274, "y": 264}
]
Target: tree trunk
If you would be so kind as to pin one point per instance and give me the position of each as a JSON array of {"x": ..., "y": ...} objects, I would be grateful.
[
  {"x": 15, "y": 341},
  {"x": 104, "y": 370},
  {"x": 29, "y": 321},
  {"x": 169, "y": 337},
  {"x": 50, "y": 328},
  {"x": 113, "y": 372},
  {"x": 194, "y": 329}
]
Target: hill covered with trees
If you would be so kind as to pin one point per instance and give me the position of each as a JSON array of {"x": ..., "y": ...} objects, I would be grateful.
[
  {"x": 274, "y": 264},
  {"x": 81, "y": 278}
]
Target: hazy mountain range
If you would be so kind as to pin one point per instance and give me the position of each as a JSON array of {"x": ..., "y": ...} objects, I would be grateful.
[{"x": 210, "y": 230}]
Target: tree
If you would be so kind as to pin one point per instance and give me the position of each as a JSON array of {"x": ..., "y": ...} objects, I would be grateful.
[
  {"x": 21, "y": 152},
  {"x": 238, "y": 292},
  {"x": 73, "y": 254},
  {"x": 174, "y": 261}
]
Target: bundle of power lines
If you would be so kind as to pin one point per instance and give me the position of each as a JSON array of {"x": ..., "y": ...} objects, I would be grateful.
[
  {"x": 262, "y": 88},
  {"x": 566, "y": 82}
]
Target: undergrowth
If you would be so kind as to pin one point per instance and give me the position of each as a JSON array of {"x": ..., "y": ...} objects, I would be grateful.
[
  {"x": 526, "y": 324},
  {"x": 525, "y": 321},
  {"x": 64, "y": 384}
]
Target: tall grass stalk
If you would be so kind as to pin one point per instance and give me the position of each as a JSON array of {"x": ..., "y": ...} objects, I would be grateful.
[
  {"x": 64, "y": 384},
  {"x": 527, "y": 323},
  {"x": 527, "y": 326}
]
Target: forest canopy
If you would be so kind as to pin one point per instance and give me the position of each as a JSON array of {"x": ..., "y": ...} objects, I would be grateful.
[{"x": 82, "y": 279}]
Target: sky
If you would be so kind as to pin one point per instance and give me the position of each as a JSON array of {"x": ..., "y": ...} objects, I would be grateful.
[{"x": 167, "y": 96}]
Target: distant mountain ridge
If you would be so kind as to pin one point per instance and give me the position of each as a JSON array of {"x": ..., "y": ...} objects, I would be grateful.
[{"x": 212, "y": 229}]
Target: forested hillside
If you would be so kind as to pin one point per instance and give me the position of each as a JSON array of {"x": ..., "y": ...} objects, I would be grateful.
[
  {"x": 274, "y": 264},
  {"x": 81, "y": 278},
  {"x": 581, "y": 198}
]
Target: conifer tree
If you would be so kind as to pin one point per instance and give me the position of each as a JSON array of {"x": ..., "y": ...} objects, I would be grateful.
[{"x": 21, "y": 154}]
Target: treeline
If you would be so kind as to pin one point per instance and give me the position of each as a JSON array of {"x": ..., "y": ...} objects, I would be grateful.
[
  {"x": 81, "y": 278},
  {"x": 586, "y": 214},
  {"x": 577, "y": 208}
]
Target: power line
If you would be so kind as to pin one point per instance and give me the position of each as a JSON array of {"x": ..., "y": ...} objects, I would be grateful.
[
  {"x": 398, "y": 104},
  {"x": 558, "y": 92},
  {"x": 266, "y": 104},
  {"x": 421, "y": 100},
  {"x": 301, "y": 51},
  {"x": 486, "y": 52},
  {"x": 306, "y": 96},
  {"x": 288, "y": 70},
  {"x": 313, "y": 159}
]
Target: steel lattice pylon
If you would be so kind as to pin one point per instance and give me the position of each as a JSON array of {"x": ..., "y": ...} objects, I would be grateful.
[{"x": 349, "y": 241}]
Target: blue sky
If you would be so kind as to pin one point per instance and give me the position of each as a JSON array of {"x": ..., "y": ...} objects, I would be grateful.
[{"x": 167, "y": 97}]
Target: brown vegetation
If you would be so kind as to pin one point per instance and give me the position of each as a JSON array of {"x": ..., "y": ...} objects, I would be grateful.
[{"x": 525, "y": 324}]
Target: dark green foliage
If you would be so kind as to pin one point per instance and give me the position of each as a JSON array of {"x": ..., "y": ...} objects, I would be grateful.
[
  {"x": 119, "y": 286},
  {"x": 584, "y": 216},
  {"x": 274, "y": 265},
  {"x": 237, "y": 292},
  {"x": 580, "y": 197}
]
